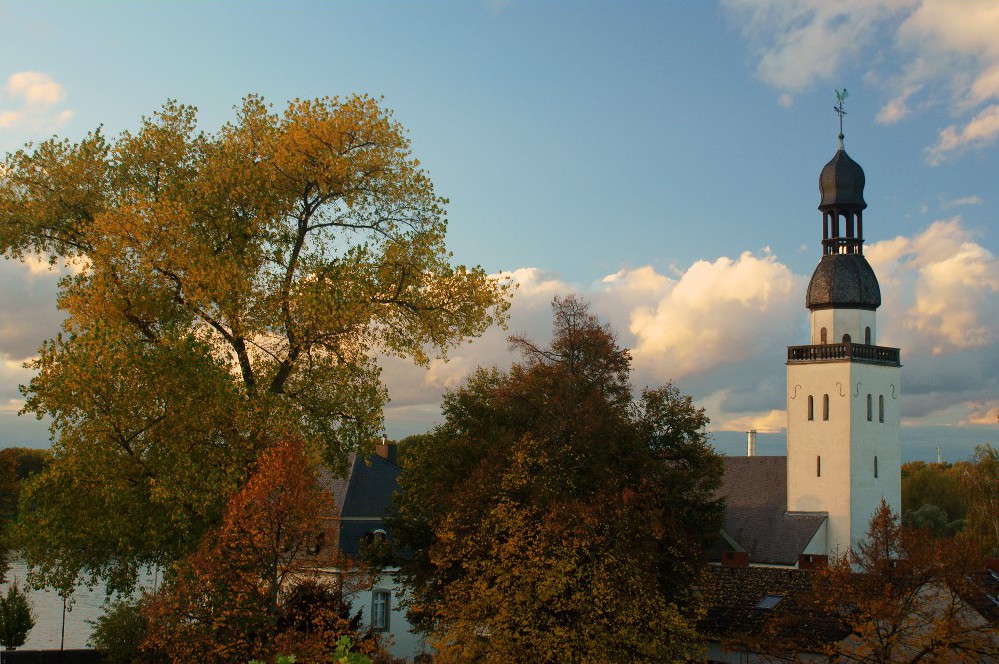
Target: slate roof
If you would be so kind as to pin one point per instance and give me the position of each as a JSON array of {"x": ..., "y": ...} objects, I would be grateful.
[
  {"x": 843, "y": 280},
  {"x": 362, "y": 498},
  {"x": 841, "y": 182},
  {"x": 756, "y": 516}
]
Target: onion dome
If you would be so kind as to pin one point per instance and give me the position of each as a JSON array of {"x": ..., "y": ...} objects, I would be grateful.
[
  {"x": 843, "y": 281},
  {"x": 842, "y": 182}
]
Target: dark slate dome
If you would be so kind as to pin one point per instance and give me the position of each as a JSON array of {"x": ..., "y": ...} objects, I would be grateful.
[
  {"x": 843, "y": 281},
  {"x": 842, "y": 182}
]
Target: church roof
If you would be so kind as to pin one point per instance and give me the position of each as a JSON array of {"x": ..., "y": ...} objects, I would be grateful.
[
  {"x": 843, "y": 280},
  {"x": 841, "y": 183},
  {"x": 756, "y": 516}
]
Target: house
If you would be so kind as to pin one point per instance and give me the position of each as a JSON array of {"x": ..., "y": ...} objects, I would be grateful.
[{"x": 362, "y": 498}]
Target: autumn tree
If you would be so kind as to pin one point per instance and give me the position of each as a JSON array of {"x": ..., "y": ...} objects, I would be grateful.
[
  {"x": 228, "y": 601},
  {"x": 981, "y": 487},
  {"x": 900, "y": 597},
  {"x": 552, "y": 516},
  {"x": 227, "y": 289}
]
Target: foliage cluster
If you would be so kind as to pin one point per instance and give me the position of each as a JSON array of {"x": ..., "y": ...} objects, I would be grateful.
[
  {"x": 227, "y": 290},
  {"x": 933, "y": 497},
  {"x": 898, "y": 598},
  {"x": 552, "y": 517},
  {"x": 16, "y": 618}
]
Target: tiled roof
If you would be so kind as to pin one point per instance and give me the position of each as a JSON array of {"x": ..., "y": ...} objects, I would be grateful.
[
  {"x": 734, "y": 593},
  {"x": 756, "y": 516}
]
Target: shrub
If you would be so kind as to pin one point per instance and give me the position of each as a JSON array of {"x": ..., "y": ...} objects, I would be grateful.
[{"x": 16, "y": 618}]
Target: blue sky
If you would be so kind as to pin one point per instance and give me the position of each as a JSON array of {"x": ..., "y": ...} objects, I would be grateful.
[{"x": 659, "y": 158}]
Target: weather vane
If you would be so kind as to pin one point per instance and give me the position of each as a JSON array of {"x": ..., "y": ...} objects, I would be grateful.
[{"x": 841, "y": 96}]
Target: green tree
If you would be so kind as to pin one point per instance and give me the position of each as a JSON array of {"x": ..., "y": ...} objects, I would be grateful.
[
  {"x": 16, "y": 618},
  {"x": 933, "y": 496},
  {"x": 552, "y": 517},
  {"x": 229, "y": 289},
  {"x": 17, "y": 464}
]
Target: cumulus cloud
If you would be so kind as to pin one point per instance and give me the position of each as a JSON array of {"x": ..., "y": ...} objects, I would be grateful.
[
  {"x": 33, "y": 102},
  {"x": 800, "y": 42},
  {"x": 946, "y": 283},
  {"x": 948, "y": 54}
]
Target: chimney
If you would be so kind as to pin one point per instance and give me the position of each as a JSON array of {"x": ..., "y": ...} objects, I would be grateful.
[
  {"x": 751, "y": 443},
  {"x": 735, "y": 559},
  {"x": 385, "y": 449}
]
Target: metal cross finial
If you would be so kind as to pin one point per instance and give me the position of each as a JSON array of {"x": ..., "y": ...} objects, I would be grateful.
[{"x": 841, "y": 96}]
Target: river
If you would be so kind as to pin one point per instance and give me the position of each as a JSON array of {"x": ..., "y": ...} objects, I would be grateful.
[{"x": 83, "y": 607}]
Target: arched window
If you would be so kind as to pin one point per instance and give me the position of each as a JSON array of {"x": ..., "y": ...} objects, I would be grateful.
[
  {"x": 823, "y": 336},
  {"x": 818, "y": 466},
  {"x": 881, "y": 408},
  {"x": 825, "y": 406},
  {"x": 846, "y": 338},
  {"x": 811, "y": 408},
  {"x": 867, "y": 335},
  {"x": 870, "y": 408}
]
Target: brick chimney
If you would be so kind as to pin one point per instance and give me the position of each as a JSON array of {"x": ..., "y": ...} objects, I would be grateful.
[{"x": 386, "y": 449}]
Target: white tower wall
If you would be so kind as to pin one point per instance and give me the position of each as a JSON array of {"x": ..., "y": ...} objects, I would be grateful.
[
  {"x": 840, "y": 322},
  {"x": 831, "y": 462}
]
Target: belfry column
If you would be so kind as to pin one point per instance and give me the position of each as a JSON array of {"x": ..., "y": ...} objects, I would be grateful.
[{"x": 843, "y": 400}]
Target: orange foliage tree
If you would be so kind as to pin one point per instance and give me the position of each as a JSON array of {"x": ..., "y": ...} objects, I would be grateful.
[
  {"x": 224, "y": 602},
  {"x": 901, "y": 597}
]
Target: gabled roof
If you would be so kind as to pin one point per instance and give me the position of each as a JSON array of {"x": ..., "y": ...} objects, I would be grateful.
[
  {"x": 756, "y": 516},
  {"x": 362, "y": 498}
]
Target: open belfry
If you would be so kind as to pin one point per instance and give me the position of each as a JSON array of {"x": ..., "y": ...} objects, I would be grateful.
[{"x": 843, "y": 391}]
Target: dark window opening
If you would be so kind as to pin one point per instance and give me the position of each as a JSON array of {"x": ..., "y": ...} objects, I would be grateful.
[
  {"x": 825, "y": 407},
  {"x": 867, "y": 335},
  {"x": 811, "y": 407},
  {"x": 875, "y": 466},
  {"x": 846, "y": 338},
  {"x": 881, "y": 408},
  {"x": 818, "y": 466},
  {"x": 823, "y": 336},
  {"x": 870, "y": 408}
]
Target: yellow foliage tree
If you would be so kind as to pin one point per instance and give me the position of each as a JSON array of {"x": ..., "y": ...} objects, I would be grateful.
[{"x": 229, "y": 289}]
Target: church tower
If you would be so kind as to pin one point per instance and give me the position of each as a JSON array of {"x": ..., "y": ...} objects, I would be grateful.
[{"x": 843, "y": 396}]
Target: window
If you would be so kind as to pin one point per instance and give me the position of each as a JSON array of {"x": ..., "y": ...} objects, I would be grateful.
[
  {"x": 825, "y": 407},
  {"x": 823, "y": 336},
  {"x": 867, "y": 335},
  {"x": 870, "y": 408},
  {"x": 881, "y": 408},
  {"x": 818, "y": 466},
  {"x": 381, "y": 605},
  {"x": 875, "y": 466},
  {"x": 846, "y": 338},
  {"x": 769, "y": 602},
  {"x": 811, "y": 407}
]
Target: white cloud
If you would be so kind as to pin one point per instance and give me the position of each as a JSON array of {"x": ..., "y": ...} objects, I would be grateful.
[
  {"x": 801, "y": 42},
  {"x": 941, "y": 289},
  {"x": 32, "y": 102},
  {"x": 965, "y": 200},
  {"x": 948, "y": 55}
]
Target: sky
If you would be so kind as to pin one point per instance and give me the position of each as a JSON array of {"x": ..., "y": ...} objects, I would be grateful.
[{"x": 660, "y": 159}]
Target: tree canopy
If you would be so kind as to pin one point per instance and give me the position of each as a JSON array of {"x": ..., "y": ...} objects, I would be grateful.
[
  {"x": 551, "y": 516},
  {"x": 900, "y": 597},
  {"x": 229, "y": 289}
]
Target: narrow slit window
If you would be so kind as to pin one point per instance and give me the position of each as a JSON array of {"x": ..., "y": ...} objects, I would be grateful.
[
  {"x": 870, "y": 408},
  {"x": 811, "y": 407},
  {"x": 825, "y": 407},
  {"x": 823, "y": 336},
  {"x": 867, "y": 335},
  {"x": 875, "y": 467},
  {"x": 881, "y": 408},
  {"x": 818, "y": 466}
]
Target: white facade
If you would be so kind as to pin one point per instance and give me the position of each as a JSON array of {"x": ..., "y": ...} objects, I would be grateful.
[{"x": 838, "y": 460}]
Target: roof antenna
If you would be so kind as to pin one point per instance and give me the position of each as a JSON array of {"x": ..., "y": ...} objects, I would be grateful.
[{"x": 841, "y": 96}]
